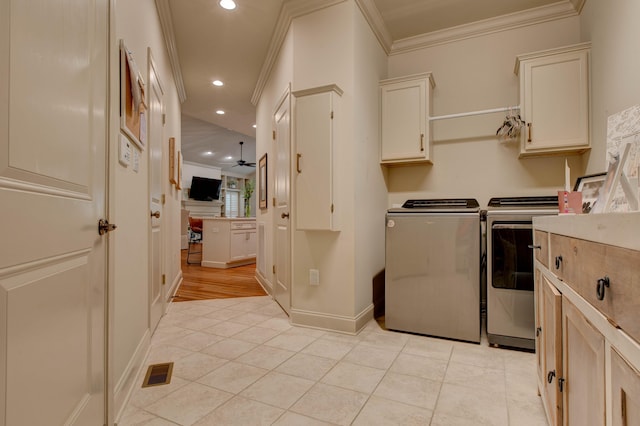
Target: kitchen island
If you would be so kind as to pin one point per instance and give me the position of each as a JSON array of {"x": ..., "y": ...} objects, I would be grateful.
[{"x": 228, "y": 241}]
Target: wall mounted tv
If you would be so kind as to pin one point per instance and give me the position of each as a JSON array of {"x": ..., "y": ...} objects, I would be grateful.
[{"x": 205, "y": 189}]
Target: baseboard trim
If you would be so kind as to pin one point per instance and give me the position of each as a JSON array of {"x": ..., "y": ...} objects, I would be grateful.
[
  {"x": 126, "y": 384},
  {"x": 264, "y": 283},
  {"x": 175, "y": 285},
  {"x": 339, "y": 323}
]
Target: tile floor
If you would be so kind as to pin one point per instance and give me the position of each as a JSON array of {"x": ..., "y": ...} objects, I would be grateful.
[{"x": 239, "y": 362}]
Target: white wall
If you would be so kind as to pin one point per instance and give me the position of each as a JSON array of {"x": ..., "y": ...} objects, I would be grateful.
[
  {"x": 468, "y": 160},
  {"x": 138, "y": 24},
  {"x": 190, "y": 170},
  {"x": 614, "y": 32}
]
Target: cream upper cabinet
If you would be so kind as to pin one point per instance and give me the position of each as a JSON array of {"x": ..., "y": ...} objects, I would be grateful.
[
  {"x": 404, "y": 125},
  {"x": 554, "y": 100},
  {"x": 316, "y": 115}
]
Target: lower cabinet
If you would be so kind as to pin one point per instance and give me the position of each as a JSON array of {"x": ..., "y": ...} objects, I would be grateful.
[
  {"x": 587, "y": 363},
  {"x": 228, "y": 242}
]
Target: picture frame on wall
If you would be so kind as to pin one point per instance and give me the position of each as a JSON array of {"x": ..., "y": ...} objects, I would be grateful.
[
  {"x": 132, "y": 103},
  {"x": 172, "y": 161},
  {"x": 590, "y": 187},
  {"x": 262, "y": 177}
]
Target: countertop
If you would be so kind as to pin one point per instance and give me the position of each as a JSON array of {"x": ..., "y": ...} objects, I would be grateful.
[
  {"x": 617, "y": 229},
  {"x": 235, "y": 219}
]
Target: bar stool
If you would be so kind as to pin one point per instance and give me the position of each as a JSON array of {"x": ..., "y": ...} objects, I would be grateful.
[{"x": 195, "y": 237}]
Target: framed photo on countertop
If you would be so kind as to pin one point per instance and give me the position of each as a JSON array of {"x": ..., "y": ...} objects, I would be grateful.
[{"x": 590, "y": 186}]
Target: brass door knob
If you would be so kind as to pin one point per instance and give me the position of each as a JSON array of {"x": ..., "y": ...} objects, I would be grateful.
[{"x": 156, "y": 214}]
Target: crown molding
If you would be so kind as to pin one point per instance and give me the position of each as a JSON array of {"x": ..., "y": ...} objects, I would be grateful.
[
  {"x": 164, "y": 13},
  {"x": 538, "y": 15},
  {"x": 376, "y": 22},
  {"x": 291, "y": 9}
]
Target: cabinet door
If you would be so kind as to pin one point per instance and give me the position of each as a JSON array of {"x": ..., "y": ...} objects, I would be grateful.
[
  {"x": 554, "y": 90},
  {"x": 404, "y": 111},
  {"x": 251, "y": 243},
  {"x": 583, "y": 350},
  {"x": 550, "y": 350},
  {"x": 237, "y": 245},
  {"x": 314, "y": 140},
  {"x": 625, "y": 389}
]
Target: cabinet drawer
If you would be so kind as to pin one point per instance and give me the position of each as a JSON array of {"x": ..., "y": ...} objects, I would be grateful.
[
  {"x": 540, "y": 239},
  {"x": 581, "y": 264},
  {"x": 242, "y": 225}
]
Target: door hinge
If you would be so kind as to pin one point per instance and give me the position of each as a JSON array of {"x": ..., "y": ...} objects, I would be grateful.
[
  {"x": 164, "y": 279},
  {"x": 332, "y": 115},
  {"x": 274, "y": 201},
  {"x": 274, "y": 135},
  {"x": 274, "y": 269},
  {"x": 164, "y": 199},
  {"x": 164, "y": 119},
  {"x": 331, "y": 208}
]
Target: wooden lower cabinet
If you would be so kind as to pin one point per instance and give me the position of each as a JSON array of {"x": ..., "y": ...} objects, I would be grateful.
[
  {"x": 625, "y": 392},
  {"x": 583, "y": 351}
]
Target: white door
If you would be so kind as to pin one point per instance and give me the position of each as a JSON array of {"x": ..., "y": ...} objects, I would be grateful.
[
  {"x": 155, "y": 137},
  {"x": 282, "y": 231},
  {"x": 54, "y": 89}
]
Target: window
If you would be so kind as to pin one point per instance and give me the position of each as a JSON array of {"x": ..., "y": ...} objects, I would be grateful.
[{"x": 231, "y": 203}]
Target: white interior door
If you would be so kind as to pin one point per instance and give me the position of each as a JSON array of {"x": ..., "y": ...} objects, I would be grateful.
[
  {"x": 282, "y": 230},
  {"x": 155, "y": 136},
  {"x": 54, "y": 120}
]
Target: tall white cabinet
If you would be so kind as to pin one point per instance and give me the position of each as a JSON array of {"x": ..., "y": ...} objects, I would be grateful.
[
  {"x": 404, "y": 126},
  {"x": 554, "y": 100},
  {"x": 316, "y": 115}
]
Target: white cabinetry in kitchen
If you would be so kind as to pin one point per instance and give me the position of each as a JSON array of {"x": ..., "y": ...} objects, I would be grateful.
[
  {"x": 404, "y": 126},
  {"x": 316, "y": 118},
  {"x": 228, "y": 242},
  {"x": 588, "y": 318},
  {"x": 554, "y": 100}
]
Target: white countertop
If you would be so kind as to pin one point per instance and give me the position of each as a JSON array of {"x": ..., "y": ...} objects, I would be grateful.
[
  {"x": 617, "y": 229},
  {"x": 235, "y": 219}
]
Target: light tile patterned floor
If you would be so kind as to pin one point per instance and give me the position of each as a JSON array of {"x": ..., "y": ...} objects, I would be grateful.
[{"x": 239, "y": 362}]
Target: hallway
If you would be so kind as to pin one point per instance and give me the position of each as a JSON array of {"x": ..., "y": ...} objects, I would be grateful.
[{"x": 238, "y": 361}]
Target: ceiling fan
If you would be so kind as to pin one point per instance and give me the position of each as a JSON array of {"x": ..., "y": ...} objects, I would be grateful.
[{"x": 241, "y": 162}]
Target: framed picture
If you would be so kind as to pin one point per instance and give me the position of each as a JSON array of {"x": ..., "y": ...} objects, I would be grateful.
[
  {"x": 132, "y": 104},
  {"x": 179, "y": 167},
  {"x": 262, "y": 167},
  {"x": 590, "y": 186},
  {"x": 172, "y": 161}
]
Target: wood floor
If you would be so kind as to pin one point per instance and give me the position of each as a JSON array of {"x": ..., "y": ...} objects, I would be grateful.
[{"x": 199, "y": 283}]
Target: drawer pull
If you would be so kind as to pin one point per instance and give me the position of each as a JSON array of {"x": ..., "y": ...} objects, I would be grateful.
[
  {"x": 538, "y": 331},
  {"x": 534, "y": 247},
  {"x": 558, "y": 262},
  {"x": 602, "y": 283}
]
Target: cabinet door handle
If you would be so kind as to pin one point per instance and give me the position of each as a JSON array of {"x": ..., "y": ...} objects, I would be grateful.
[
  {"x": 602, "y": 283},
  {"x": 421, "y": 142},
  {"x": 298, "y": 157},
  {"x": 530, "y": 127},
  {"x": 558, "y": 262},
  {"x": 538, "y": 331},
  {"x": 550, "y": 376}
]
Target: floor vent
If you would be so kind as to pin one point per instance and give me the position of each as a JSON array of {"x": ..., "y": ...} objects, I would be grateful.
[{"x": 158, "y": 374}]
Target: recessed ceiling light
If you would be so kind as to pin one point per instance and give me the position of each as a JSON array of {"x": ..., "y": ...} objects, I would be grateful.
[
  {"x": 208, "y": 153},
  {"x": 228, "y": 157},
  {"x": 220, "y": 112},
  {"x": 228, "y": 4},
  {"x": 217, "y": 83}
]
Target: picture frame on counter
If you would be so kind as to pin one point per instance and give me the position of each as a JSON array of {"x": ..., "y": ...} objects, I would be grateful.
[{"x": 590, "y": 187}]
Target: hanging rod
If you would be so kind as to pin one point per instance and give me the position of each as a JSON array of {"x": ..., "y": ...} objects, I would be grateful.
[{"x": 467, "y": 114}]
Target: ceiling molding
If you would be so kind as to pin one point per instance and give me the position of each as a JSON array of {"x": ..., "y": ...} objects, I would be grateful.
[
  {"x": 164, "y": 13},
  {"x": 559, "y": 10},
  {"x": 376, "y": 22},
  {"x": 291, "y": 9}
]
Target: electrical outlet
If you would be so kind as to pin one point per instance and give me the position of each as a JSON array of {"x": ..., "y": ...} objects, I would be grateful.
[{"x": 314, "y": 277}]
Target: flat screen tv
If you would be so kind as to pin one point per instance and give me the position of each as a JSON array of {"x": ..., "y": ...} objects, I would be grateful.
[{"x": 204, "y": 189}]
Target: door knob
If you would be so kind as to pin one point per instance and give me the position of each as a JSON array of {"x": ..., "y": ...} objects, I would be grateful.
[
  {"x": 104, "y": 226},
  {"x": 156, "y": 214},
  {"x": 284, "y": 215}
]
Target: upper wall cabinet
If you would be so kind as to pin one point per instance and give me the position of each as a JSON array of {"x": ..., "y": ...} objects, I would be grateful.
[
  {"x": 404, "y": 126},
  {"x": 315, "y": 117},
  {"x": 554, "y": 100}
]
